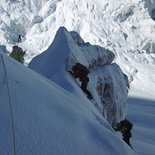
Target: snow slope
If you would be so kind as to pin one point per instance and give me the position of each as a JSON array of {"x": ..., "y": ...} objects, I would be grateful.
[
  {"x": 124, "y": 27},
  {"x": 39, "y": 117},
  {"x": 142, "y": 114},
  {"x": 107, "y": 83}
]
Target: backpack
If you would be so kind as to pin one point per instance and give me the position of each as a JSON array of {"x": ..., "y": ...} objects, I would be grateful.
[
  {"x": 18, "y": 54},
  {"x": 82, "y": 68}
]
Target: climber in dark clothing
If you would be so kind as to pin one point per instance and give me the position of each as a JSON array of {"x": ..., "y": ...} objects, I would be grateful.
[
  {"x": 125, "y": 127},
  {"x": 84, "y": 83},
  {"x": 19, "y": 39},
  {"x": 81, "y": 72}
]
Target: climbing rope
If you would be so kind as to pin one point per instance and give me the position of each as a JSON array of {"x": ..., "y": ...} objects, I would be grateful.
[{"x": 10, "y": 107}]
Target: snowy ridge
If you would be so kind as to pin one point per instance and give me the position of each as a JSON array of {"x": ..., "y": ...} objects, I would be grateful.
[
  {"x": 107, "y": 84},
  {"x": 87, "y": 54},
  {"x": 44, "y": 122}
]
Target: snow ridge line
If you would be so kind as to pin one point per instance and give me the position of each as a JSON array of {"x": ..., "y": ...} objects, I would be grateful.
[{"x": 10, "y": 107}]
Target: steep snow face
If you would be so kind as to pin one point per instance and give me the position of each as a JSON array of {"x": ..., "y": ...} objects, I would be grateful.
[
  {"x": 126, "y": 28},
  {"x": 107, "y": 83},
  {"x": 38, "y": 117}
]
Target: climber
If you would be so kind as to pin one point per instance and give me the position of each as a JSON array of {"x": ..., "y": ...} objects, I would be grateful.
[
  {"x": 19, "y": 38},
  {"x": 18, "y": 54},
  {"x": 80, "y": 71},
  {"x": 125, "y": 127}
]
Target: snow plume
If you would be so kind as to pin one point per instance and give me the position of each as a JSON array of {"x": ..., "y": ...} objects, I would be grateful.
[
  {"x": 107, "y": 84},
  {"x": 38, "y": 117}
]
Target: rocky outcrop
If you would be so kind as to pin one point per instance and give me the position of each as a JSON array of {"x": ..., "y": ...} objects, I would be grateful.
[{"x": 108, "y": 84}]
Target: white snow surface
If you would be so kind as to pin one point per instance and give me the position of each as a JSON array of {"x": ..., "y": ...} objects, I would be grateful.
[{"x": 39, "y": 117}]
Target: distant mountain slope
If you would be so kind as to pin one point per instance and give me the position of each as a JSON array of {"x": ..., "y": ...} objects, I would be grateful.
[{"x": 126, "y": 28}]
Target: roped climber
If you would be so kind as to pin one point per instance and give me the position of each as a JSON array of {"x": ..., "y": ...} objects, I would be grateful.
[{"x": 80, "y": 71}]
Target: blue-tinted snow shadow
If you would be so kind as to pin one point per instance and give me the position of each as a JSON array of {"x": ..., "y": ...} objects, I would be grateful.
[
  {"x": 141, "y": 112},
  {"x": 140, "y": 101}
]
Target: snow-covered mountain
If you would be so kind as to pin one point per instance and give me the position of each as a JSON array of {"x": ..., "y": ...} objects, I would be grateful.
[{"x": 124, "y": 27}]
